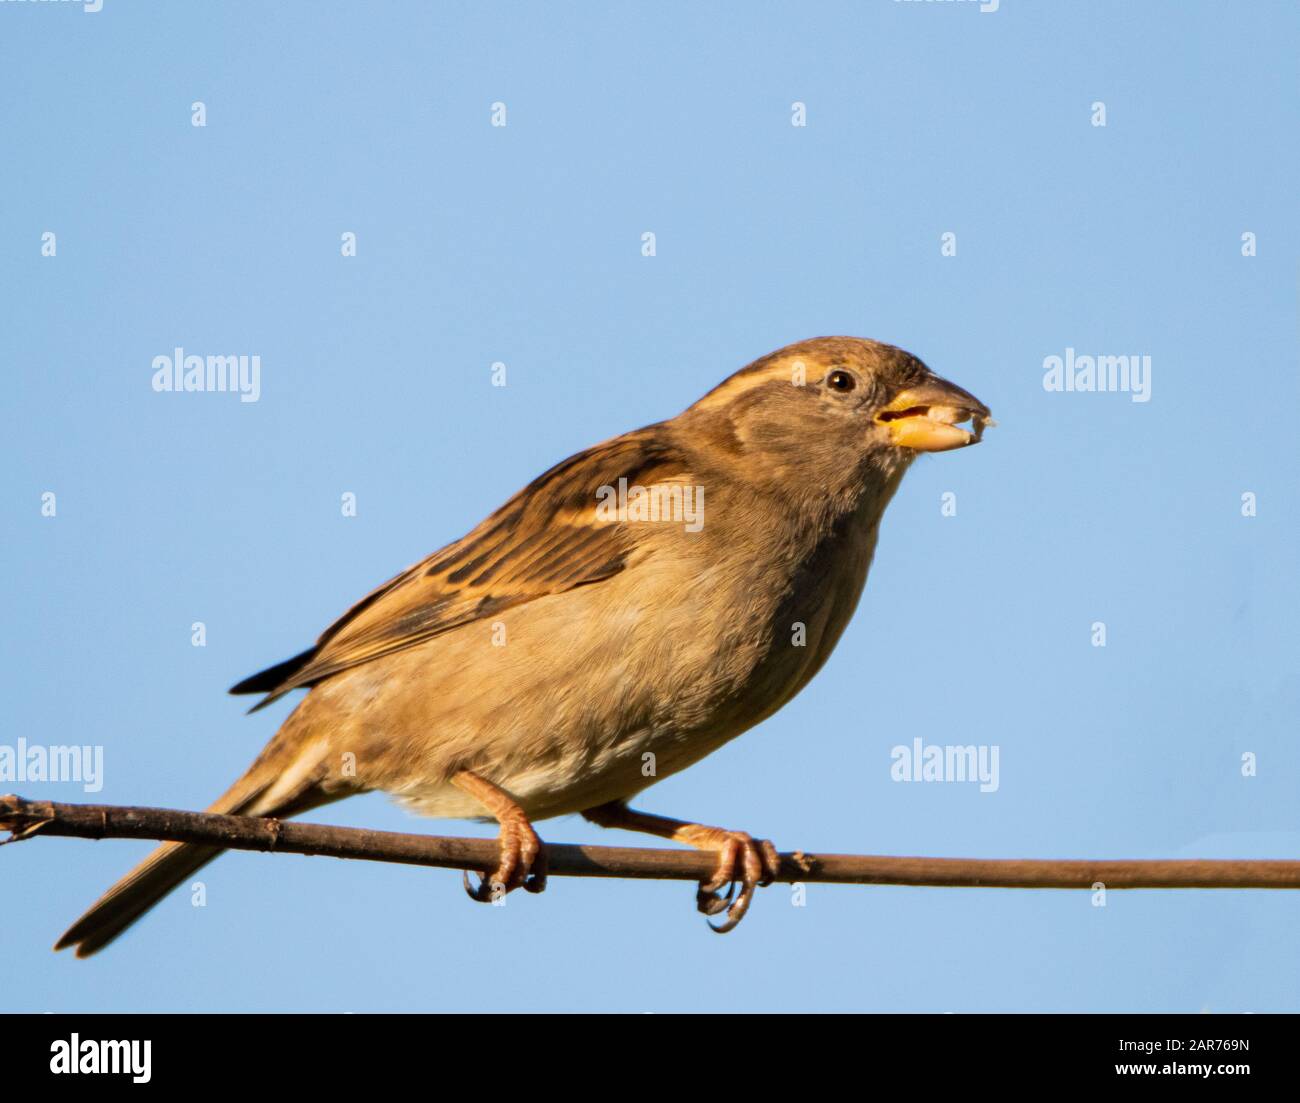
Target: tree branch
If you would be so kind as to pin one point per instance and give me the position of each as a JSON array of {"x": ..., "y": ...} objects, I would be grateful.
[{"x": 26, "y": 819}]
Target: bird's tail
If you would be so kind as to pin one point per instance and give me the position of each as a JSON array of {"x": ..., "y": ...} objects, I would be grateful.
[
  {"x": 260, "y": 792},
  {"x": 134, "y": 895}
]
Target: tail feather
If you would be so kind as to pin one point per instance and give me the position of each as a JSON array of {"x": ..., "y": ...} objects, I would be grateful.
[
  {"x": 255, "y": 794},
  {"x": 134, "y": 895}
]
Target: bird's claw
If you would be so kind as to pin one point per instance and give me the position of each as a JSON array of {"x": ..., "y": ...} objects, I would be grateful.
[
  {"x": 522, "y": 864},
  {"x": 742, "y": 861}
]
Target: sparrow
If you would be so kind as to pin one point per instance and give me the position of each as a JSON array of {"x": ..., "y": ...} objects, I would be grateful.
[{"x": 629, "y": 611}]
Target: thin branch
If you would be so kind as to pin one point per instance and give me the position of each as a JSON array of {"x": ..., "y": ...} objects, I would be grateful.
[{"x": 27, "y": 819}]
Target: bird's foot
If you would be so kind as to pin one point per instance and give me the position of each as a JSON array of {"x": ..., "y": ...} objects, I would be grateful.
[
  {"x": 521, "y": 864},
  {"x": 742, "y": 861}
]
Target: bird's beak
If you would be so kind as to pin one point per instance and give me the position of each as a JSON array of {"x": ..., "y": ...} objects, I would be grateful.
[{"x": 926, "y": 417}]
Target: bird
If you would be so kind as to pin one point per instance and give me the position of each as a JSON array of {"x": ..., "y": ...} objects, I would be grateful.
[{"x": 628, "y": 612}]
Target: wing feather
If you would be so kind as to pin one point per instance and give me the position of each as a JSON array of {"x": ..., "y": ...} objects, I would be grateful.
[{"x": 545, "y": 540}]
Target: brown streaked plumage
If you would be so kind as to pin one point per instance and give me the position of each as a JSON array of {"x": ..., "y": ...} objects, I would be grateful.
[{"x": 534, "y": 667}]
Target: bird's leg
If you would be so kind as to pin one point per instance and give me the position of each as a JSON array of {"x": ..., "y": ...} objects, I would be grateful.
[
  {"x": 741, "y": 858},
  {"x": 522, "y": 861}
]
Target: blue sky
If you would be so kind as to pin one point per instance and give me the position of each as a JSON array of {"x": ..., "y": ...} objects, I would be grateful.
[{"x": 522, "y": 244}]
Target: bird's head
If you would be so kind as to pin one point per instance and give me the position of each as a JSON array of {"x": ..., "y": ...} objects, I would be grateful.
[{"x": 837, "y": 413}]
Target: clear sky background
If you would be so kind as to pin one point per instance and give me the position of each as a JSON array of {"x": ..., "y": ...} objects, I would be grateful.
[{"x": 522, "y": 245}]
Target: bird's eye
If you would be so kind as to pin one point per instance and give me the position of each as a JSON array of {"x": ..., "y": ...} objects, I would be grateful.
[{"x": 841, "y": 381}]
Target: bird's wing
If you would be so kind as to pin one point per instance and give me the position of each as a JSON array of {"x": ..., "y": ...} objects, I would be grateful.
[{"x": 545, "y": 540}]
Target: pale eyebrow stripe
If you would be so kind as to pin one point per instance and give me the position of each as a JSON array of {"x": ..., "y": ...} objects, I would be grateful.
[{"x": 730, "y": 389}]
